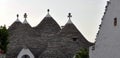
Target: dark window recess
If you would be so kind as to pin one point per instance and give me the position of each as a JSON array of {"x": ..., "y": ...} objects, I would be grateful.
[
  {"x": 25, "y": 56},
  {"x": 74, "y": 39},
  {"x": 115, "y": 21}
]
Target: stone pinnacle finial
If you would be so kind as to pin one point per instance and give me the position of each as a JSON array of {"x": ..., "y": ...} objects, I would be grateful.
[
  {"x": 48, "y": 10},
  {"x": 17, "y": 16},
  {"x": 69, "y": 15},
  {"x": 25, "y": 15},
  {"x": 48, "y": 15},
  {"x": 25, "y": 21}
]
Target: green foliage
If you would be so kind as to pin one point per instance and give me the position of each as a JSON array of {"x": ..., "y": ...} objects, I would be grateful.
[
  {"x": 83, "y": 53},
  {"x": 3, "y": 39}
]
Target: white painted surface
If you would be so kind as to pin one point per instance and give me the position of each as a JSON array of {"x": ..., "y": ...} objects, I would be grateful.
[
  {"x": 108, "y": 40},
  {"x": 69, "y": 21},
  {"x": 17, "y": 20},
  {"x": 48, "y": 15},
  {"x": 25, "y": 22},
  {"x": 25, "y": 51}
]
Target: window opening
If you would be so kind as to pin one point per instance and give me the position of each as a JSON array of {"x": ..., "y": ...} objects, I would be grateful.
[
  {"x": 25, "y": 56},
  {"x": 115, "y": 21},
  {"x": 74, "y": 39}
]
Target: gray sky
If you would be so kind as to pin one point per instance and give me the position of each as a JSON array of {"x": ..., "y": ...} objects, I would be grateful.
[{"x": 86, "y": 14}]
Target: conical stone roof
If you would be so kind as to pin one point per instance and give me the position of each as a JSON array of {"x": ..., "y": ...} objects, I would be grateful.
[
  {"x": 70, "y": 31},
  {"x": 16, "y": 25},
  {"x": 58, "y": 43},
  {"x": 25, "y": 22},
  {"x": 25, "y": 36},
  {"x": 52, "y": 53},
  {"x": 48, "y": 25},
  {"x": 28, "y": 37},
  {"x": 69, "y": 27},
  {"x": 72, "y": 40}
]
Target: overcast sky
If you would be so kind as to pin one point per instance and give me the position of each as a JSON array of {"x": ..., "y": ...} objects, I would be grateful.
[{"x": 86, "y": 14}]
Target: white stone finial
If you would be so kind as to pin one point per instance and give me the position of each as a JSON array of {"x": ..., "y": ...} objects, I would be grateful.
[
  {"x": 48, "y": 15},
  {"x": 17, "y": 18},
  {"x": 25, "y": 21},
  {"x": 69, "y": 21},
  {"x": 69, "y": 16},
  {"x": 25, "y": 15},
  {"x": 48, "y": 10}
]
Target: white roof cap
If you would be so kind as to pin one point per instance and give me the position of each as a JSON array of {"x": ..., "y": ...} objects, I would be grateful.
[
  {"x": 48, "y": 15},
  {"x": 69, "y": 16},
  {"x": 69, "y": 21},
  {"x": 17, "y": 19},
  {"x": 25, "y": 22}
]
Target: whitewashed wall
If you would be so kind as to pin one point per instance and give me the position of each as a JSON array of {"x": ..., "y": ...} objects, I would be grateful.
[{"x": 108, "y": 40}]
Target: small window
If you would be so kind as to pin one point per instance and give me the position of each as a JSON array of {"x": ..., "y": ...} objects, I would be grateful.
[
  {"x": 74, "y": 39},
  {"x": 115, "y": 21},
  {"x": 25, "y": 56}
]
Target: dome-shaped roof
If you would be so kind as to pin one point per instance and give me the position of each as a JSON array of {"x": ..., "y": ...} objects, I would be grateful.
[
  {"x": 48, "y": 25},
  {"x": 52, "y": 53}
]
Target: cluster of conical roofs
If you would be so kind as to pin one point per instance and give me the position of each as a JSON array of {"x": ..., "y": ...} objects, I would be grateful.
[
  {"x": 46, "y": 40},
  {"x": 48, "y": 15}
]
